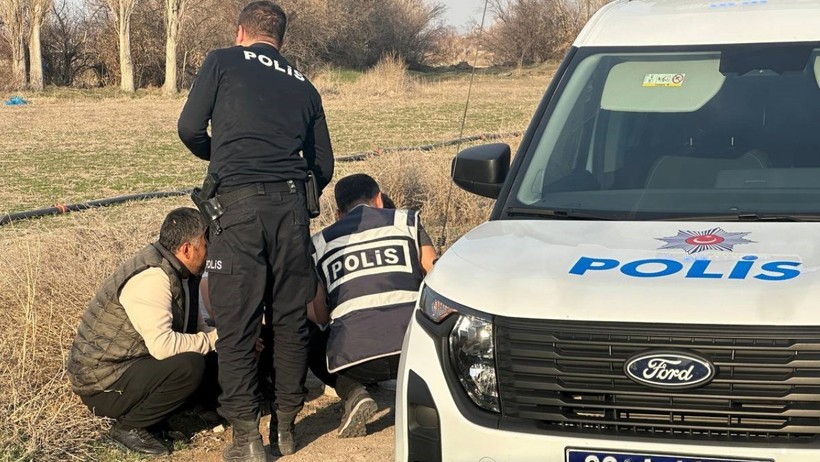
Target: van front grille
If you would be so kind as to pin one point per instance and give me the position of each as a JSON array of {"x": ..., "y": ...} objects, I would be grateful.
[{"x": 570, "y": 376}]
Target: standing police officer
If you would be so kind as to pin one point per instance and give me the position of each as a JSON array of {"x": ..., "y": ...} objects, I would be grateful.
[{"x": 268, "y": 129}]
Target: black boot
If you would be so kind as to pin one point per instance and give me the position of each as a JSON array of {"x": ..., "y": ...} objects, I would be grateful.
[
  {"x": 283, "y": 438},
  {"x": 247, "y": 443},
  {"x": 359, "y": 408}
]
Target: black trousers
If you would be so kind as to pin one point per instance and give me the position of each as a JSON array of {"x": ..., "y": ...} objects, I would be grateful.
[
  {"x": 317, "y": 358},
  {"x": 316, "y": 363},
  {"x": 350, "y": 378},
  {"x": 150, "y": 389},
  {"x": 262, "y": 258},
  {"x": 375, "y": 370}
]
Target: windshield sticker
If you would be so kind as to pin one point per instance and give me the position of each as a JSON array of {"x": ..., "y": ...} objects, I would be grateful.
[
  {"x": 664, "y": 80},
  {"x": 740, "y": 3},
  {"x": 700, "y": 241}
]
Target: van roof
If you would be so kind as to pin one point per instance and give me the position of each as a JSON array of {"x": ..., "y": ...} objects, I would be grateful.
[{"x": 702, "y": 22}]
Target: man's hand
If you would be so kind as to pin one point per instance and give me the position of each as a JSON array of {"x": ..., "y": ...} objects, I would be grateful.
[
  {"x": 317, "y": 311},
  {"x": 213, "y": 336},
  {"x": 428, "y": 258}
]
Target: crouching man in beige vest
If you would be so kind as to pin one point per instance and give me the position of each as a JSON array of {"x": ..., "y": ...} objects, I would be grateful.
[{"x": 142, "y": 350}]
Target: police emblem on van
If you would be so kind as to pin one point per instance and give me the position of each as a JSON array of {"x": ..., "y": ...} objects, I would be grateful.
[
  {"x": 700, "y": 241},
  {"x": 663, "y": 369}
]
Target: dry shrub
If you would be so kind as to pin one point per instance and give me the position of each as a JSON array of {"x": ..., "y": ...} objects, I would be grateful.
[
  {"x": 533, "y": 31},
  {"x": 389, "y": 77},
  {"x": 356, "y": 33},
  {"x": 420, "y": 181},
  {"x": 48, "y": 276},
  {"x": 327, "y": 80}
]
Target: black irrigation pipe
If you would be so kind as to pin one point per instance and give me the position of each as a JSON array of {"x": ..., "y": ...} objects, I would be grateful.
[
  {"x": 60, "y": 209},
  {"x": 426, "y": 147}
]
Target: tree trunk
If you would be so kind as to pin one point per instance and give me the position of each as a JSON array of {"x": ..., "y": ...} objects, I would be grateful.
[
  {"x": 35, "y": 79},
  {"x": 18, "y": 62},
  {"x": 13, "y": 17},
  {"x": 184, "y": 65},
  {"x": 126, "y": 63},
  {"x": 35, "y": 52},
  {"x": 173, "y": 15}
]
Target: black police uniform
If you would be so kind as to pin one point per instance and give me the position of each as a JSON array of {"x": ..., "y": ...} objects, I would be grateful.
[{"x": 268, "y": 128}]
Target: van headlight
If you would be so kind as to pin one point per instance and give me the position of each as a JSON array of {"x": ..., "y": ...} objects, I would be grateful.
[
  {"x": 471, "y": 345},
  {"x": 472, "y": 353}
]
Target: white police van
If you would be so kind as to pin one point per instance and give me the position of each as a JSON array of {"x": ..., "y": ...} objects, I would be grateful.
[{"x": 647, "y": 287}]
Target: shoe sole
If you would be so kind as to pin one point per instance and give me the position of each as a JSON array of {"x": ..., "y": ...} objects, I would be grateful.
[
  {"x": 258, "y": 457},
  {"x": 277, "y": 448},
  {"x": 357, "y": 420}
]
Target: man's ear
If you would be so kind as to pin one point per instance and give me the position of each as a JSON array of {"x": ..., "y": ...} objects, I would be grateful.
[
  {"x": 338, "y": 214},
  {"x": 186, "y": 250},
  {"x": 377, "y": 201},
  {"x": 240, "y": 35}
]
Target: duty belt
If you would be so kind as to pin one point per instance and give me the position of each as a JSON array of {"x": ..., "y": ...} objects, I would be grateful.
[
  {"x": 212, "y": 204},
  {"x": 255, "y": 189}
]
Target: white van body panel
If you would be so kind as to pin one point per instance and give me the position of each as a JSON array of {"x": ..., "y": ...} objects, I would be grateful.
[
  {"x": 701, "y": 22},
  {"x": 532, "y": 260},
  {"x": 463, "y": 441}
]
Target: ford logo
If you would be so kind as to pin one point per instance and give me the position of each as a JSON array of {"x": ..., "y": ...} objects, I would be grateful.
[{"x": 664, "y": 369}]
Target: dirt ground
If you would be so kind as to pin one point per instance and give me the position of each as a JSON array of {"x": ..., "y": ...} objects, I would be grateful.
[{"x": 315, "y": 431}]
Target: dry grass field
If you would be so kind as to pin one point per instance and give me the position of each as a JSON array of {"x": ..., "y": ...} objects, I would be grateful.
[{"x": 69, "y": 147}]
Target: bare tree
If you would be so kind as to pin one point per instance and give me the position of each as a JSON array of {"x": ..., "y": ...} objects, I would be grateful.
[
  {"x": 38, "y": 10},
  {"x": 66, "y": 48},
  {"x": 121, "y": 11},
  {"x": 174, "y": 10},
  {"x": 13, "y": 15},
  {"x": 532, "y": 31},
  {"x": 357, "y": 33}
]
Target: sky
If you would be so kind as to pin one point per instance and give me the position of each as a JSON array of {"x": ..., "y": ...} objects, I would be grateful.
[{"x": 460, "y": 12}]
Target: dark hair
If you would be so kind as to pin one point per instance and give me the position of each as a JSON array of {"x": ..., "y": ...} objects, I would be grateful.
[
  {"x": 387, "y": 202},
  {"x": 353, "y": 190},
  {"x": 182, "y": 225},
  {"x": 264, "y": 19}
]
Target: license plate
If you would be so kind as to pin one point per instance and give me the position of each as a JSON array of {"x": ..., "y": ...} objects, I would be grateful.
[{"x": 574, "y": 455}]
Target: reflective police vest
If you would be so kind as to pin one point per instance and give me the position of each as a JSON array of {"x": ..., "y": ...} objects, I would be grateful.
[{"x": 369, "y": 263}]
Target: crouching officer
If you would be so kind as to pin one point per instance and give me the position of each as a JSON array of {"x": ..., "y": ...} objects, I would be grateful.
[
  {"x": 370, "y": 263},
  {"x": 269, "y": 130},
  {"x": 141, "y": 349}
]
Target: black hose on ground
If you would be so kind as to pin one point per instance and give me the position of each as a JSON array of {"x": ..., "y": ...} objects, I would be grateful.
[
  {"x": 59, "y": 209},
  {"x": 426, "y": 147}
]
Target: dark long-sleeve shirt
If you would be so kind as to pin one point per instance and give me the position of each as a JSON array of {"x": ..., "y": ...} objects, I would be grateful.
[{"x": 266, "y": 118}]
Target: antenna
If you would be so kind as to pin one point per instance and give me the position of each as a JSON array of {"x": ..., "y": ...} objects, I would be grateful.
[{"x": 442, "y": 239}]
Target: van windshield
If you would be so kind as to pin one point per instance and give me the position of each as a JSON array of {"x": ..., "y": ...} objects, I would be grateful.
[{"x": 710, "y": 133}]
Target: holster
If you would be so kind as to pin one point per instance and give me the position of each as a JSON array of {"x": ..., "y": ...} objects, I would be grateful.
[
  {"x": 312, "y": 195},
  {"x": 206, "y": 201}
]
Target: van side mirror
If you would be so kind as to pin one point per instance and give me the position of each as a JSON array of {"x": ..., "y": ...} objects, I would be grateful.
[{"x": 482, "y": 169}]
